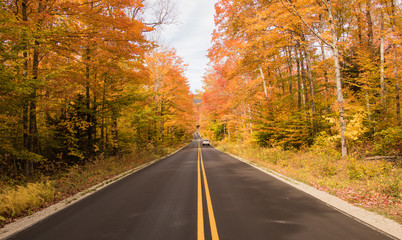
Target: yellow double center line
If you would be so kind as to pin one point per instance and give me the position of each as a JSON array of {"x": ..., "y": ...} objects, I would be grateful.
[{"x": 200, "y": 219}]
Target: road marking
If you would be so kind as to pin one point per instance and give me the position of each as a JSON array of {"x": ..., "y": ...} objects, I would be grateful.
[
  {"x": 214, "y": 231},
  {"x": 212, "y": 222},
  {"x": 200, "y": 220}
]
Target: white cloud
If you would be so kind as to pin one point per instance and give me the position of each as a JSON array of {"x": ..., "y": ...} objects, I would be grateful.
[{"x": 192, "y": 36}]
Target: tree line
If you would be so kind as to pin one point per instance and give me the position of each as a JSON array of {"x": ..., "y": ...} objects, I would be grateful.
[
  {"x": 289, "y": 72},
  {"x": 81, "y": 78}
]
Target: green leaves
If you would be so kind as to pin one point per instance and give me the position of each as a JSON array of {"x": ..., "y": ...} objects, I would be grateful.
[{"x": 25, "y": 155}]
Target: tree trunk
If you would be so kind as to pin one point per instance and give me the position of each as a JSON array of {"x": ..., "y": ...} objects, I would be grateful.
[
  {"x": 382, "y": 72},
  {"x": 102, "y": 134},
  {"x": 299, "y": 88},
  {"x": 398, "y": 104},
  {"x": 304, "y": 82},
  {"x": 114, "y": 132},
  {"x": 243, "y": 121},
  {"x": 103, "y": 140},
  {"x": 25, "y": 119},
  {"x": 162, "y": 123},
  {"x": 370, "y": 34},
  {"x": 33, "y": 128},
  {"x": 94, "y": 116},
  {"x": 359, "y": 14},
  {"x": 290, "y": 74},
  {"x": 311, "y": 83},
  {"x": 368, "y": 105},
  {"x": 33, "y": 142},
  {"x": 327, "y": 86},
  {"x": 88, "y": 106},
  {"x": 282, "y": 80},
  {"x": 25, "y": 106},
  {"x": 312, "y": 93},
  {"x": 264, "y": 84},
  {"x": 335, "y": 53},
  {"x": 249, "y": 118},
  {"x": 303, "y": 86}
]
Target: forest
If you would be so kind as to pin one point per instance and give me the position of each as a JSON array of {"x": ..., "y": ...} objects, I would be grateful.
[
  {"x": 291, "y": 73},
  {"x": 82, "y": 79},
  {"x": 311, "y": 90}
]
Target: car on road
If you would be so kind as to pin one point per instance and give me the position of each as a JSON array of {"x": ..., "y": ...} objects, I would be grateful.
[{"x": 205, "y": 142}]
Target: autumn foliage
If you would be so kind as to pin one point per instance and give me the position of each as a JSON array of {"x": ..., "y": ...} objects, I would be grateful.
[
  {"x": 80, "y": 79},
  {"x": 284, "y": 73}
]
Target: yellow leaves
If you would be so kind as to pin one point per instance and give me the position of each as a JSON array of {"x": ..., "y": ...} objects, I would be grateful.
[
  {"x": 356, "y": 124},
  {"x": 73, "y": 123},
  {"x": 355, "y": 128}
]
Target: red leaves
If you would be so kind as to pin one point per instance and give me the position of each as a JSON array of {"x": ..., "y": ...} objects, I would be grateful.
[{"x": 371, "y": 199}]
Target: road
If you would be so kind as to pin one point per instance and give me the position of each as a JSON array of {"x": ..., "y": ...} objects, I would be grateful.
[{"x": 199, "y": 193}]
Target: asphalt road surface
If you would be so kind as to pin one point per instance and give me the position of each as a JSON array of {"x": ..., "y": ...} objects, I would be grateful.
[{"x": 199, "y": 193}]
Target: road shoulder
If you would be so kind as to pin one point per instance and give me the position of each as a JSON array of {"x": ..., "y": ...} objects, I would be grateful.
[{"x": 373, "y": 220}]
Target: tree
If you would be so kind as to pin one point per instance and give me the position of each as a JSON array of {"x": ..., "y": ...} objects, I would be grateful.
[
  {"x": 328, "y": 9},
  {"x": 172, "y": 101},
  {"x": 69, "y": 70},
  {"x": 274, "y": 58}
]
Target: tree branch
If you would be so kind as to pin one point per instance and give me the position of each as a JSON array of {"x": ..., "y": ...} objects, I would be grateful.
[{"x": 305, "y": 23}]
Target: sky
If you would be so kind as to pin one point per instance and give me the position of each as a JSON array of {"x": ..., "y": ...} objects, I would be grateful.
[{"x": 191, "y": 36}]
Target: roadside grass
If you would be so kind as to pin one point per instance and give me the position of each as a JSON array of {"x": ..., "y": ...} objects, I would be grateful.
[
  {"x": 22, "y": 200},
  {"x": 373, "y": 185},
  {"x": 25, "y": 199}
]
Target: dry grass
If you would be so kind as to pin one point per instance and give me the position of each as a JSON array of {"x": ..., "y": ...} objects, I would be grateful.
[
  {"x": 22, "y": 199},
  {"x": 374, "y": 185}
]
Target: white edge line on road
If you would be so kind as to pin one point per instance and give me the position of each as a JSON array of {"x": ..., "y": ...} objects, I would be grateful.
[
  {"x": 29, "y": 221},
  {"x": 371, "y": 219}
]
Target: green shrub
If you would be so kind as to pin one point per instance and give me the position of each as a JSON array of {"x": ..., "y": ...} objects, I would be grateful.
[
  {"x": 329, "y": 170},
  {"x": 325, "y": 145},
  {"x": 355, "y": 170},
  {"x": 389, "y": 141},
  {"x": 391, "y": 187}
]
